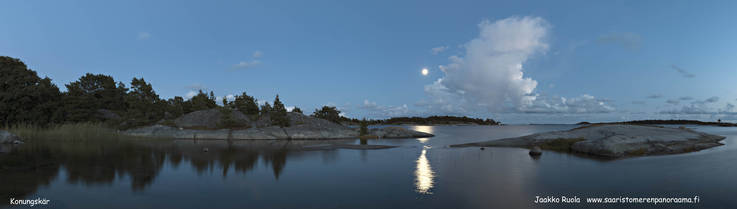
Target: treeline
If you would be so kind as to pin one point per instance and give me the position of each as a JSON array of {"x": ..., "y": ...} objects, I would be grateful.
[
  {"x": 25, "y": 98},
  {"x": 440, "y": 120},
  {"x": 432, "y": 120}
]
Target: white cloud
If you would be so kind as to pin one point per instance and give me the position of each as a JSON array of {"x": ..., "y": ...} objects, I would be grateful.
[
  {"x": 581, "y": 104},
  {"x": 438, "y": 50},
  {"x": 230, "y": 97},
  {"x": 249, "y": 64},
  {"x": 144, "y": 35},
  {"x": 246, "y": 64},
  {"x": 490, "y": 75},
  {"x": 190, "y": 94}
]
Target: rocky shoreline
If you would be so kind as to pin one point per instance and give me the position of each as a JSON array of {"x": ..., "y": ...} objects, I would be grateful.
[
  {"x": 303, "y": 128},
  {"x": 613, "y": 140}
]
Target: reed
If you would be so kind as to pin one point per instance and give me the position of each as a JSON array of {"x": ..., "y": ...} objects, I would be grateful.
[{"x": 66, "y": 132}]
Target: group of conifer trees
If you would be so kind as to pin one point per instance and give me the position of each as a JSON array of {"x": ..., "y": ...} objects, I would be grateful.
[{"x": 25, "y": 98}]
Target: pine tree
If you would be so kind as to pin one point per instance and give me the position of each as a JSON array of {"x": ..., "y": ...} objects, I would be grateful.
[
  {"x": 25, "y": 97},
  {"x": 145, "y": 106},
  {"x": 246, "y": 104},
  {"x": 91, "y": 93},
  {"x": 266, "y": 108},
  {"x": 328, "y": 113},
  {"x": 279, "y": 114},
  {"x": 297, "y": 110},
  {"x": 201, "y": 101},
  {"x": 175, "y": 107}
]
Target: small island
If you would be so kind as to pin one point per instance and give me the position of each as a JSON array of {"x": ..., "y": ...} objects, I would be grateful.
[
  {"x": 613, "y": 140},
  {"x": 34, "y": 106},
  {"x": 204, "y": 124}
]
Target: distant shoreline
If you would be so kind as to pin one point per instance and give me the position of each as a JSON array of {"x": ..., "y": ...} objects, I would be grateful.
[{"x": 667, "y": 122}]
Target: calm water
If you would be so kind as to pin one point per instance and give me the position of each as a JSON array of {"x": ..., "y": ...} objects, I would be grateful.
[{"x": 419, "y": 173}]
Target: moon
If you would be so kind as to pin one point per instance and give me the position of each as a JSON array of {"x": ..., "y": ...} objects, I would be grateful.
[{"x": 424, "y": 71}]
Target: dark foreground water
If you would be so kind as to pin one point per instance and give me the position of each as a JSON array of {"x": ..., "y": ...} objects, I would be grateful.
[{"x": 420, "y": 173}]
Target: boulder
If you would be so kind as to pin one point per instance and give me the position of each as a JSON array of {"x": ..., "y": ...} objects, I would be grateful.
[
  {"x": 536, "y": 151},
  {"x": 9, "y": 138},
  {"x": 614, "y": 140},
  {"x": 306, "y": 127},
  {"x": 209, "y": 119}
]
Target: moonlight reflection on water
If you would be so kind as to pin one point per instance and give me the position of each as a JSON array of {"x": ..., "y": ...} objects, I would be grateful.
[
  {"x": 424, "y": 176},
  {"x": 426, "y": 129}
]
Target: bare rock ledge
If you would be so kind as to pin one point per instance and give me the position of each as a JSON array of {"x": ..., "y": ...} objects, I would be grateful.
[
  {"x": 613, "y": 140},
  {"x": 302, "y": 127}
]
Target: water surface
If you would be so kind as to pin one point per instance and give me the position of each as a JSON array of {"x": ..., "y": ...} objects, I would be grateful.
[{"x": 419, "y": 173}]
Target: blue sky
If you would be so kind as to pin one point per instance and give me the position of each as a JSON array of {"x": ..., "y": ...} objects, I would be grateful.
[{"x": 594, "y": 61}]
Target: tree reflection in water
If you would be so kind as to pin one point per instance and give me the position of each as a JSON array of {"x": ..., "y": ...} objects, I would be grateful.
[{"x": 35, "y": 164}]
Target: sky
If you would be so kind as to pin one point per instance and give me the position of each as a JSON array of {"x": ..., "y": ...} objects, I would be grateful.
[{"x": 516, "y": 62}]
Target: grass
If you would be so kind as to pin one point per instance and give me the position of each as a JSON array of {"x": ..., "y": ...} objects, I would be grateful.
[
  {"x": 67, "y": 132},
  {"x": 562, "y": 144}
]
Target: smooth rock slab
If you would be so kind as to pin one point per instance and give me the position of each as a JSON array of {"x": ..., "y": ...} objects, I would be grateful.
[
  {"x": 302, "y": 131},
  {"x": 615, "y": 140}
]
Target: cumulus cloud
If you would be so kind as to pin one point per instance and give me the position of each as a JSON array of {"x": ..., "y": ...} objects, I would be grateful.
[
  {"x": 489, "y": 76},
  {"x": 438, "y": 50},
  {"x": 686, "y": 98},
  {"x": 627, "y": 40},
  {"x": 143, "y": 35},
  {"x": 683, "y": 72},
  {"x": 581, "y": 104},
  {"x": 249, "y": 64}
]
